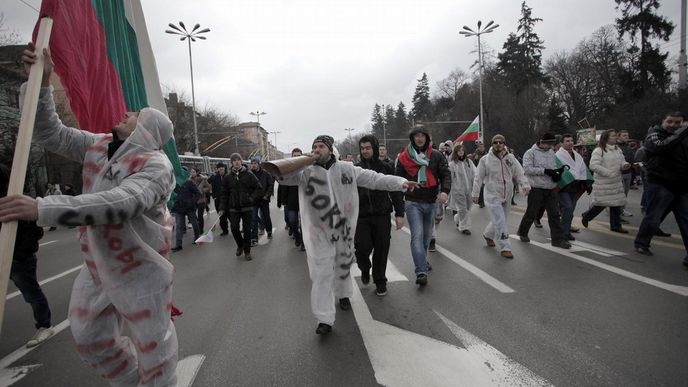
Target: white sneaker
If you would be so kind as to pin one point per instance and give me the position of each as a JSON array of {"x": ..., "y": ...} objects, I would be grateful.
[
  {"x": 42, "y": 334},
  {"x": 626, "y": 213}
]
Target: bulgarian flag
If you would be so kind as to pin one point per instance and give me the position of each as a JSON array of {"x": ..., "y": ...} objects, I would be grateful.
[
  {"x": 105, "y": 62},
  {"x": 471, "y": 133}
]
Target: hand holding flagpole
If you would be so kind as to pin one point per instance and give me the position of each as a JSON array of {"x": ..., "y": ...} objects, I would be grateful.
[{"x": 8, "y": 233}]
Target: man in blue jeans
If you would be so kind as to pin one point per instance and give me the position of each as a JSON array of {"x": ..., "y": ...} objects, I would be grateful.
[
  {"x": 666, "y": 163},
  {"x": 419, "y": 162},
  {"x": 263, "y": 203},
  {"x": 574, "y": 182}
]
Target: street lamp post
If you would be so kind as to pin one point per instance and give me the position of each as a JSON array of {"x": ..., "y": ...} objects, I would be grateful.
[
  {"x": 258, "y": 113},
  {"x": 384, "y": 128},
  {"x": 350, "y": 140},
  {"x": 489, "y": 27},
  {"x": 190, "y": 37},
  {"x": 275, "y": 132}
]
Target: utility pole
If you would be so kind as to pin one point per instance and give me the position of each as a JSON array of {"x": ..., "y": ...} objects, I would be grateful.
[
  {"x": 350, "y": 140},
  {"x": 384, "y": 128},
  {"x": 682, "y": 59}
]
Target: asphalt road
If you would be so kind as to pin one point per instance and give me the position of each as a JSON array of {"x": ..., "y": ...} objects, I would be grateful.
[{"x": 599, "y": 314}]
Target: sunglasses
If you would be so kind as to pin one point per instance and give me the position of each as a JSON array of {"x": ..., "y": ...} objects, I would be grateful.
[{"x": 497, "y": 142}]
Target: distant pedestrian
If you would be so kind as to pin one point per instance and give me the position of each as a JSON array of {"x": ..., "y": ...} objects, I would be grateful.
[
  {"x": 216, "y": 191},
  {"x": 262, "y": 206},
  {"x": 462, "y": 175},
  {"x": 202, "y": 203},
  {"x": 575, "y": 181}
]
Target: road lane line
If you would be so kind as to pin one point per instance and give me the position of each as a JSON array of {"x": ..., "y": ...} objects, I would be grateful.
[
  {"x": 23, "y": 350},
  {"x": 483, "y": 276},
  {"x": 392, "y": 273},
  {"x": 46, "y": 243},
  {"x": 187, "y": 369},
  {"x": 45, "y": 281},
  {"x": 680, "y": 290}
]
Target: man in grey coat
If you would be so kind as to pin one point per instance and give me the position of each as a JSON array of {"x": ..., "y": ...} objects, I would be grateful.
[{"x": 540, "y": 167}]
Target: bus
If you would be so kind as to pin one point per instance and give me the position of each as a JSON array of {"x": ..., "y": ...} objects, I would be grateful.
[{"x": 204, "y": 164}]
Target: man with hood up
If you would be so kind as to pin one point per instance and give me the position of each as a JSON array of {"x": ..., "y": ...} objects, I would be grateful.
[
  {"x": 124, "y": 232},
  {"x": 497, "y": 171},
  {"x": 329, "y": 204},
  {"x": 373, "y": 229},
  {"x": 419, "y": 162},
  {"x": 240, "y": 193}
]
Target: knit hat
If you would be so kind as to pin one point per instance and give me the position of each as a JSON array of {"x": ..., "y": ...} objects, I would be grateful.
[
  {"x": 325, "y": 139},
  {"x": 255, "y": 159},
  {"x": 548, "y": 138},
  {"x": 220, "y": 165},
  {"x": 235, "y": 156},
  {"x": 498, "y": 137}
]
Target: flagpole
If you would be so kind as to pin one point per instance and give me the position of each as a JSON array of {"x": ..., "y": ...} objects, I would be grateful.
[{"x": 8, "y": 233}]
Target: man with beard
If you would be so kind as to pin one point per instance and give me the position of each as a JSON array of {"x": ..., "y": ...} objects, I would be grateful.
[
  {"x": 373, "y": 230},
  {"x": 328, "y": 205}
]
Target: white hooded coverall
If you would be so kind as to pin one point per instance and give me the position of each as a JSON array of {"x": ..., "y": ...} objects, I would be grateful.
[
  {"x": 328, "y": 206},
  {"x": 498, "y": 174},
  {"x": 124, "y": 234},
  {"x": 462, "y": 175}
]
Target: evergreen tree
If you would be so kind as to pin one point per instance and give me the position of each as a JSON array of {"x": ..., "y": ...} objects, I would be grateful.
[
  {"x": 377, "y": 119},
  {"x": 422, "y": 107},
  {"x": 640, "y": 20}
]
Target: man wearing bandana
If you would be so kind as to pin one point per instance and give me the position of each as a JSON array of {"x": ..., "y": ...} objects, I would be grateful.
[
  {"x": 497, "y": 170},
  {"x": 419, "y": 162},
  {"x": 328, "y": 205}
]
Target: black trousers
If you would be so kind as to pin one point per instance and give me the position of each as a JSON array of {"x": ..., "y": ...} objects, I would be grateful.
[
  {"x": 547, "y": 199},
  {"x": 23, "y": 274},
  {"x": 200, "y": 209},
  {"x": 223, "y": 218},
  {"x": 373, "y": 235},
  {"x": 246, "y": 218}
]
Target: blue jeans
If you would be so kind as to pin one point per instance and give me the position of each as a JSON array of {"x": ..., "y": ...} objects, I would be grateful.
[
  {"x": 421, "y": 217},
  {"x": 23, "y": 274},
  {"x": 180, "y": 225},
  {"x": 293, "y": 222},
  {"x": 659, "y": 200},
  {"x": 567, "y": 204},
  {"x": 264, "y": 208}
]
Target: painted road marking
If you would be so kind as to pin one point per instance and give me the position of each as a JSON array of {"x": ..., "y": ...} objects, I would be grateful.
[
  {"x": 45, "y": 281},
  {"x": 680, "y": 290},
  {"x": 46, "y": 243},
  {"x": 603, "y": 251},
  {"x": 187, "y": 369},
  {"x": 404, "y": 358},
  {"x": 392, "y": 273},
  {"x": 483, "y": 276}
]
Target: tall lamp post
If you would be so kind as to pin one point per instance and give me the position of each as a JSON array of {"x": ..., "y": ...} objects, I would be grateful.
[
  {"x": 384, "y": 128},
  {"x": 350, "y": 140},
  {"x": 489, "y": 27},
  {"x": 257, "y": 114},
  {"x": 190, "y": 37},
  {"x": 275, "y": 132}
]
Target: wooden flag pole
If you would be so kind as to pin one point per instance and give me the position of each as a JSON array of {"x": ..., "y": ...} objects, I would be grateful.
[{"x": 8, "y": 233}]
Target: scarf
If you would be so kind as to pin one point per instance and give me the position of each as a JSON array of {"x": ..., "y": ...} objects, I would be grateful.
[{"x": 416, "y": 164}]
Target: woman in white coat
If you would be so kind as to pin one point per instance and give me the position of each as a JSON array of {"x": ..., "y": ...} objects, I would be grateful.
[
  {"x": 462, "y": 174},
  {"x": 607, "y": 162}
]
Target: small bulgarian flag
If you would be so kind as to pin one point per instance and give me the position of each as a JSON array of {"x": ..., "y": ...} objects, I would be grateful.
[
  {"x": 105, "y": 62},
  {"x": 471, "y": 133}
]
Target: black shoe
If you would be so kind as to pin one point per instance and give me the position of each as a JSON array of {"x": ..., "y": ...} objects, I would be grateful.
[
  {"x": 365, "y": 277},
  {"x": 620, "y": 230},
  {"x": 52, "y": 229},
  {"x": 254, "y": 242},
  {"x": 269, "y": 235},
  {"x": 584, "y": 221},
  {"x": 303, "y": 247},
  {"x": 297, "y": 243},
  {"x": 537, "y": 224},
  {"x": 240, "y": 250},
  {"x": 248, "y": 256},
  {"x": 570, "y": 237},
  {"x": 381, "y": 290},
  {"x": 175, "y": 249},
  {"x": 431, "y": 246},
  {"x": 661, "y": 233},
  {"x": 323, "y": 329},
  {"x": 466, "y": 232},
  {"x": 562, "y": 244},
  {"x": 422, "y": 280},
  {"x": 644, "y": 251},
  {"x": 344, "y": 303},
  {"x": 224, "y": 233},
  {"x": 290, "y": 232},
  {"x": 427, "y": 263},
  {"x": 524, "y": 238}
]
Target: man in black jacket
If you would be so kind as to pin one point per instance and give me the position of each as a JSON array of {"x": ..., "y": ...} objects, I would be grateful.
[
  {"x": 666, "y": 163},
  {"x": 185, "y": 207},
  {"x": 240, "y": 191},
  {"x": 263, "y": 204},
  {"x": 288, "y": 195},
  {"x": 216, "y": 184},
  {"x": 373, "y": 228},
  {"x": 419, "y": 162}
]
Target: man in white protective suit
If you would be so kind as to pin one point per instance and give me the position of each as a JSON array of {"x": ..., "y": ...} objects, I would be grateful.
[
  {"x": 497, "y": 170},
  {"x": 124, "y": 233},
  {"x": 328, "y": 205}
]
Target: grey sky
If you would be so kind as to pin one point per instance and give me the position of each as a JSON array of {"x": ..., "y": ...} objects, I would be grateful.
[{"x": 319, "y": 66}]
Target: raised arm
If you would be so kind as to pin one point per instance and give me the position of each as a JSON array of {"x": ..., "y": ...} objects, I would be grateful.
[{"x": 378, "y": 181}]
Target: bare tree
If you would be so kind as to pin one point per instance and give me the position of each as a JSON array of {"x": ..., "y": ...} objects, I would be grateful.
[{"x": 450, "y": 86}]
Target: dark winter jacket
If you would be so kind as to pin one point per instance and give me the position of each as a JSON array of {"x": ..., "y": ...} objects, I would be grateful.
[
  {"x": 187, "y": 196},
  {"x": 666, "y": 158},
  {"x": 437, "y": 165},
  {"x": 373, "y": 202},
  {"x": 240, "y": 190},
  {"x": 267, "y": 184},
  {"x": 288, "y": 196},
  {"x": 628, "y": 153},
  {"x": 216, "y": 184},
  {"x": 26, "y": 245}
]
